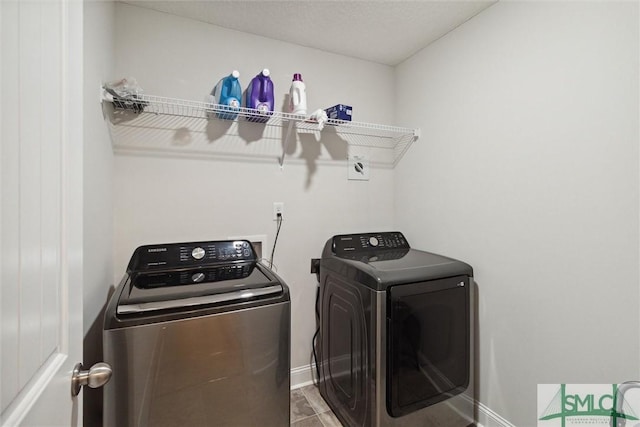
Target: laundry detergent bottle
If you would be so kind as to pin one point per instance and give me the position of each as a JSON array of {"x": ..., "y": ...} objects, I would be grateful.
[
  {"x": 298, "y": 96},
  {"x": 228, "y": 94},
  {"x": 260, "y": 97}
]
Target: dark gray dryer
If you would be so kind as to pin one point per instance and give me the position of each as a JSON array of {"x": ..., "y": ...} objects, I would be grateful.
[{"x": 395, "y": 341}]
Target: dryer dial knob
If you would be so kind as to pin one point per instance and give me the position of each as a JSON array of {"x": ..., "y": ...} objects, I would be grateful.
[
  {"x": 197, "y": 253},
  {"x": 373, "y": 241}
]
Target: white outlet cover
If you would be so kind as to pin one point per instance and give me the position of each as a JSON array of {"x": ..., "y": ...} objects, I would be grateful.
[
  {"x": 278, "y": 207},
  {"x": 358, "y": 167}
]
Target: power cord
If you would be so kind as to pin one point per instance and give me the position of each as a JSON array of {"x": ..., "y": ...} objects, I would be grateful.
[
  {"x": 315, "y": 336},
  {"x": 275, "y": 241},
  {"x": 266, "y": 262}
]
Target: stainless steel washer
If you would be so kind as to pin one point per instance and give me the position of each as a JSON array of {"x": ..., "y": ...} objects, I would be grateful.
[{"x": 198, "y": 334}]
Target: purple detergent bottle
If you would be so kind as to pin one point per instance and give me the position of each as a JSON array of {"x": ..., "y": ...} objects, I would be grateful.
[{"x": 260, "y": 97}]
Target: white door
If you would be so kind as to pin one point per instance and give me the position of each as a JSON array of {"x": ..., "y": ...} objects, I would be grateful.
[{"x": 41, "y": 215}]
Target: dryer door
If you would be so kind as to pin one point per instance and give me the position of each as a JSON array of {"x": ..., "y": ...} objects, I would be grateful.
[{"x": 428, "y": 343}]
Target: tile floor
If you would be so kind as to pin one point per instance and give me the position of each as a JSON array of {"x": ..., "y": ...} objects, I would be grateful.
[{"x": 308, "y": 409}]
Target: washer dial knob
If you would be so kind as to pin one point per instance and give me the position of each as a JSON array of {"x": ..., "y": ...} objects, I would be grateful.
[
  {"x": 197, "y": 253},
  {"x": 373, "y": 241},
  {"x": 197, "y": 277}
]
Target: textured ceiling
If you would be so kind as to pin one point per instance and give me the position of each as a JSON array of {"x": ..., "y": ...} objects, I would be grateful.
[{"x": 387, "y": 32}]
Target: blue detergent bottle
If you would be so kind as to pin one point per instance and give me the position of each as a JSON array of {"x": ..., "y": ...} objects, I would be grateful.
[
  {"x": 260, "y": 97},
  {"x": 228, "y": 94}
]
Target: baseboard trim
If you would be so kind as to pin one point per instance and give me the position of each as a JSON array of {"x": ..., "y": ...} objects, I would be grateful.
[
  {"x": 489, "y": 418},
  {"x": 302, "y": 376}
]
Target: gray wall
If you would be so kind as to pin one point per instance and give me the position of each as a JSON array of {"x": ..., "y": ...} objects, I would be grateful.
[
  {"x": 527, "y": 168},
  {"x": 177, "y": 199},
  {"x": 98, "y": 63}
]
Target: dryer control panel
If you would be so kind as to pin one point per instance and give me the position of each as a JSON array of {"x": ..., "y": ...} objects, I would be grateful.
[
  {"x": 346, "y": 244},
  {"x": 179, "y": 255}
]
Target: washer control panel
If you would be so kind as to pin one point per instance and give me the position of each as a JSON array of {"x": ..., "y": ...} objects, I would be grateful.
[
  {"x": 217, "y": 273},
  {"x": 345, "y": 244},
  {"x": 178, "y": 255}
]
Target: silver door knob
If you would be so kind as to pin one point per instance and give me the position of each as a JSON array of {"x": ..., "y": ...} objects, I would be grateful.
[{"x": 97, "y": 376}]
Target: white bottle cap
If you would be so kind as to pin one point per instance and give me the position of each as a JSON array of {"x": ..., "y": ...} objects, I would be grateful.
[
  {"x": 235, "y": 73},
  {"x": 266, "y": 72}
]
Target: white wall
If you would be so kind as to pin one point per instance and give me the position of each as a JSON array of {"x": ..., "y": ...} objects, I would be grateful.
[
  {"x": 98, "y": 159},
  {"x": 527, "y": 168},
  {"x": 98, "y": 54},
  {"x": 164, "y": 199}
]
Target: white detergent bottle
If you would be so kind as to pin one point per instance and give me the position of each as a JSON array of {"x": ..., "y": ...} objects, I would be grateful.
[{"x": 298, "y": 96}]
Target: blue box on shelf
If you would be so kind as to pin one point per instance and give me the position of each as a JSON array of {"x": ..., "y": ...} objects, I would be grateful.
[{"x": 339, "y": 112}]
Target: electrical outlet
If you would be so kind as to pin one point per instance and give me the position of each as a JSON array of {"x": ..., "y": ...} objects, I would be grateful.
[
  {"x": 278, "y": 208},
  {"x": 358, "y": 168}
]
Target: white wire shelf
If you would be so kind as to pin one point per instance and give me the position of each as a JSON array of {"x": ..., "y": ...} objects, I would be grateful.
[{"x": 357, "y": 134}]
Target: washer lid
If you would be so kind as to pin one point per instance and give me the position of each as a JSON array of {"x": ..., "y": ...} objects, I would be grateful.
[{"x": 183, "y": 288}]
